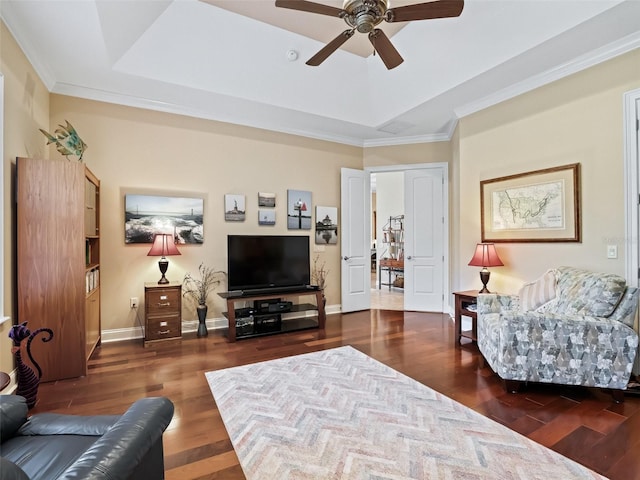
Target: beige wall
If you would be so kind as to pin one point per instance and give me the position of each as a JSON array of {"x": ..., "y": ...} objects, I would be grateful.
[
  {"x": 434, "y": 152},
  {"x": 134, "y": 150},
  {"x": 26, "y": 109},
  {"x": 577, "y": 119}
]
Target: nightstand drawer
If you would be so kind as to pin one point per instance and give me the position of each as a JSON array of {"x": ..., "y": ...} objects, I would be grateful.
[
  {"x": 162, "y": 300},
  {"x": 163, "y": 327}
]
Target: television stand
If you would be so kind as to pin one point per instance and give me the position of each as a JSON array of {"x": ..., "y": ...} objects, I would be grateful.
[{"x": 248, "y": 322}]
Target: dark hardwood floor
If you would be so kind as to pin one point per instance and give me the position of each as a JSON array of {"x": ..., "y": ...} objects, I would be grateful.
[{"x": 583, "y": 424}]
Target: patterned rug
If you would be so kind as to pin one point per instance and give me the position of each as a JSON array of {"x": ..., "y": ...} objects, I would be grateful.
[{"x": 339, "y": 414}]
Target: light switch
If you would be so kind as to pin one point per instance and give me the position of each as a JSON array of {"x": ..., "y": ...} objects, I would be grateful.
[{"x": 612, "y": 251}]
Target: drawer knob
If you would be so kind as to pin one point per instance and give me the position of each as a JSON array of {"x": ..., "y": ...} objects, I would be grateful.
[
  {"x": 163, "y": 332},
  {"x": 165, "y": 304}
]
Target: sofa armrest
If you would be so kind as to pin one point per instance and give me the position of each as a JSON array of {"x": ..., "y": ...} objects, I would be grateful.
[
  {"x": 119, "y": 451},
  {"x": 626, "y": 310},
  {"x": 13, "y": 414},
  {"x": 497, "y": 303},
  {"x": 61, "y": 424}
]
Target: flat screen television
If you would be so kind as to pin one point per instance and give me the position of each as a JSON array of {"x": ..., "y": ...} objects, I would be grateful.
[{"x": 262, "y": 262}]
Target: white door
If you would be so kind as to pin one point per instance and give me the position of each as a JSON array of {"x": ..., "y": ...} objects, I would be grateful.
[
  {"x": 424, "y": 240},
  {"x": 355, "y": 241}
]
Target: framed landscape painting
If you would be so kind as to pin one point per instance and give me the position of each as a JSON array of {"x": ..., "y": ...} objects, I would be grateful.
[
  {"x": 538, "y": 206},
  {"x": 146, "y": 215}
]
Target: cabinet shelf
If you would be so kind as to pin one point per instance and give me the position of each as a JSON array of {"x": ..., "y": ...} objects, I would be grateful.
[
  {"x": 302, "y": 307},
  {"x": 291, "y": 325},
  {"x": 253, "y": 322}
]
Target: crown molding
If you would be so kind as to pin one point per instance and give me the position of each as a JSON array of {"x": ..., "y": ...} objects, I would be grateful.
[
  {"x": 614, "y": 49},
  {"x": 72, "y": 90},
  {"x": 44, "y": 73},
  {"x": 168, "y": 107},
  {"x": 386, "y": 142}
]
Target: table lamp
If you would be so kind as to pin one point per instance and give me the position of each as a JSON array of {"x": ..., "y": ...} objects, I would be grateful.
[
  {"x": 163, "y": 245},
  {"x": 485, "y": 256}
]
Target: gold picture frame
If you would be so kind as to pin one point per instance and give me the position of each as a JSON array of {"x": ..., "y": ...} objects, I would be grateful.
[{"x": 538, "y": 206}]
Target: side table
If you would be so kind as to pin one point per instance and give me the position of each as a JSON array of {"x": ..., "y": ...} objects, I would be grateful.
[{"x": 465, "y": 304}]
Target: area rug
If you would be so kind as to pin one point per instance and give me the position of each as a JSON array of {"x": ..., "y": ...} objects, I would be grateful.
[{"x": 339, "y": 414}]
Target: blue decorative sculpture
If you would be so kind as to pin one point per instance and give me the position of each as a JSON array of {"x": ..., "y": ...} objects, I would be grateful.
[
  {"x": 28, "y": 382},
  {"x": 67, "y": 141}
]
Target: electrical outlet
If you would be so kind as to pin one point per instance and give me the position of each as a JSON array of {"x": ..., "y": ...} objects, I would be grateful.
[
  {"x": 612, "y": 251},
  {"x": 133, "y": 302}
]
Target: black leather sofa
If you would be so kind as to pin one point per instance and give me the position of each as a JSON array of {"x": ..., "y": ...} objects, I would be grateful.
[{"x": 48, "y": 446}]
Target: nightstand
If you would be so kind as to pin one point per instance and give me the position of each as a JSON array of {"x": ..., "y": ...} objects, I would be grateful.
[
  {"x": 466, "y": 304},
  {"x": 162, "y": 312}
]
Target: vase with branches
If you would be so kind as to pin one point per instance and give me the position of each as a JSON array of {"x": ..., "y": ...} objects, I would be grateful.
[
  {"x": 319, "y": 274},
  {"x": 198, "y": 288}
]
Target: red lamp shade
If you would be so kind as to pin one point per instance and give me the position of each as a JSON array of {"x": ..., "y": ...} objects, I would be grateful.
[
  {"x": 163, "y": 245},
  {"x": 485, "y": 256}
]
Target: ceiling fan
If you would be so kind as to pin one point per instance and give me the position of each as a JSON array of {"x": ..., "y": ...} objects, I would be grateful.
[{"x": 365, "y": 15}]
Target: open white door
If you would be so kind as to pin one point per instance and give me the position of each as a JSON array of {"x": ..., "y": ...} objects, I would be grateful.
[
  {"x": 424, "y": 240},
  {"x": 355, "y": 204}
]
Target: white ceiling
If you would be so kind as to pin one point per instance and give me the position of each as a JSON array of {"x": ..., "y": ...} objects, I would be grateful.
[{"x": 227, "y": 60}]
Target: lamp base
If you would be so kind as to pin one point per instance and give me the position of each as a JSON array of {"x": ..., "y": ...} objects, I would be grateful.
[
  {"x": 484, "y": 278},
  {"x": 163, "y": 263}
]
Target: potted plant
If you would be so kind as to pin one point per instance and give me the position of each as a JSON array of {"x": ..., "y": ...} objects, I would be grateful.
[{"x": 199, "y": 289}]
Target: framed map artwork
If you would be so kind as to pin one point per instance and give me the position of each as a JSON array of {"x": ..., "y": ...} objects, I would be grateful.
[{"x": 538, "y": 206}]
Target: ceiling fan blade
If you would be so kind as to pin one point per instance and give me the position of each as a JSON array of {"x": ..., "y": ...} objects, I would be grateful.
[
  {"x": 385, "y": 48},
  {"x": 330, "y": 47},
  {"x": 311, "y": 7},
  {"x": 426, "y": 11}
]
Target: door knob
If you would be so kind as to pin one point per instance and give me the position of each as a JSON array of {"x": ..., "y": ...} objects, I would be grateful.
[
  {"x": 409, "y": 257},
  {"x": 346, "y": 258}
]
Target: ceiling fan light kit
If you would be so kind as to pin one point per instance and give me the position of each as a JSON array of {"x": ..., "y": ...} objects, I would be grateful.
[{"x": 365, "y": 15}]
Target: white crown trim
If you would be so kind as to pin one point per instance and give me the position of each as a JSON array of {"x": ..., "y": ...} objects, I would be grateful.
[{"x": 614, "y": 49}]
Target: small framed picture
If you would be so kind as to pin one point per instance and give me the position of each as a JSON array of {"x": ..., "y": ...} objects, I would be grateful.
[
  {"x": 266, "y": 199},
  {"x": 234, "y": 208},
  {"x": 298, "y": 210},
  {"x": 326, "y": 225},
  {"x": 266, "y": 217}
]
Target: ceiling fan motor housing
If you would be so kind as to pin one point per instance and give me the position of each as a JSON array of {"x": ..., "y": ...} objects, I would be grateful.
[{"x": 364, "y": 15}]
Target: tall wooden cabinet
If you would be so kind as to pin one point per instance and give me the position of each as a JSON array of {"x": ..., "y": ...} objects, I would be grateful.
[{"x": 58, "y": 261}]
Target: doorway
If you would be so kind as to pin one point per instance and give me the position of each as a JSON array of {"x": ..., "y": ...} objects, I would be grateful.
[
  {"x": 409, "y": 237},
  {"x": 387, "y": 242}
]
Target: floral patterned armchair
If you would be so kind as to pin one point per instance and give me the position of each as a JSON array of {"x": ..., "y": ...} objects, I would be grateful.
[{"x": 570, "y": 327}]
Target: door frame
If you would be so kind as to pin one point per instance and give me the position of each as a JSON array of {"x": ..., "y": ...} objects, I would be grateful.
[
  {"x": 631, "y": 114},
  {"x": 444, "y": 168},
  {"x": 631, "y": 188}
]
